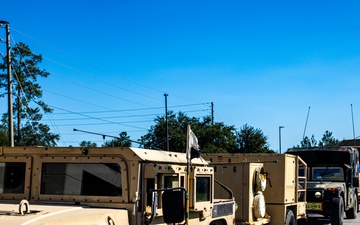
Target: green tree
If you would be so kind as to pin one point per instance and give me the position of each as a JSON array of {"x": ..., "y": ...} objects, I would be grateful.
[
  {"x": 87, "y": 144},
  {"x": 3, "y": 135},
  {"x": 307, "y": 142},
  {"x": 122, "y": 141},
  {"x": 28, "y": 101},
  {"x": 252, "y": 140},
  {"x": 212, "y": 138},
  {"x": 328, "y": 140}
]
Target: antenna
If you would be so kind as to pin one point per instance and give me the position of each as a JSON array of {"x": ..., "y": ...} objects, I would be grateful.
[
  {"x": 307, "y": 117},
  {"x": 105, "y": 135},
  {"x": 352, "y": 116}
]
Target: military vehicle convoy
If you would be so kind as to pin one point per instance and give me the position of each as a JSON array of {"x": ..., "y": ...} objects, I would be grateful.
[
  {"x": 333, "y": 182},
  {"x": 73, "y": 185},
  {"x": 127, "y": 186},
  {"x": 267, "y": 187}
]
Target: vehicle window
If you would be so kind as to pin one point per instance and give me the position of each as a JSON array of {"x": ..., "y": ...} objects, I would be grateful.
[
  {"x": 91, "y": 179},
  {"x": 328, "y": 173},
  {"x": 171, "y": 181},
  {"x": 203, "y": 186},
  {"x": 12, "y": 177}
]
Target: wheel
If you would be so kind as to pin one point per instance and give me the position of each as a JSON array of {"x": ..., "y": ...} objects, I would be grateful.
[
  {"x": 290, "y": 218},
  {"x": 352, "y": 213},
  {"x": 259, "y": 205},
  {"x": 218, "y": 222},
  {"x": 337, "y": 217}
]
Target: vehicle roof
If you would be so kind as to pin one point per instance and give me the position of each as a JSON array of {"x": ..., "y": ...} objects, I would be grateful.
[
  {"x": 340, "y": 148},
  {"x": 334, "y": 155},
  {"x": 138, "y": 154}
]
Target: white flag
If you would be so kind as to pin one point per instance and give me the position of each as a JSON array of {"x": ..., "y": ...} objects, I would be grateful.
[{"x": 192, "y": 142}]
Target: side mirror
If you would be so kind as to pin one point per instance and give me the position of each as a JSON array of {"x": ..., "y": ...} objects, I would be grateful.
[{"x": 173, "y": 206}]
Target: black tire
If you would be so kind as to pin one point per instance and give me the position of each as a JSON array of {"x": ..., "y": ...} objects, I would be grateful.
[
  {"x": 290, "y": 218},
  {"x": 352, "y": 213},
  {"x": 337, "y": 217}
]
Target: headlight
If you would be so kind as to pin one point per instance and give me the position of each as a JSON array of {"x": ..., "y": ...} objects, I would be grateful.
[{"x": 317, "y": 194}]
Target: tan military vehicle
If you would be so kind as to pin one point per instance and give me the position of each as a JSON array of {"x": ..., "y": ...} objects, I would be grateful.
[
  {"x": 41, "y": 185},
  {"x": 267, "y": 187}
]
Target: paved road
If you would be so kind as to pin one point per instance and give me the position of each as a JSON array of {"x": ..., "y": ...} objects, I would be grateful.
[{"x": 319, "y": 221}]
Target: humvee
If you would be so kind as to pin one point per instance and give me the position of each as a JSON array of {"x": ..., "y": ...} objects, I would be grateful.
[
  {"x": 73, "y": 185},
  {"x": 333, "y": 183}
]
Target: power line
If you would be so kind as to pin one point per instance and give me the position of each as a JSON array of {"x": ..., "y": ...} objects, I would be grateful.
[
  {"x": 136, "y": 109},
  {"x": 95, "y": 117},
  {"x": 97, "y": 67},
  {"x": 97, "y": 124},
  {"x": 87, "y": 63},
  {"x": 102, "y": 81}
]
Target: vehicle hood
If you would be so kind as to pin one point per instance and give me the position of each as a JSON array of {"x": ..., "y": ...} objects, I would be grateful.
[
  {"x": 324, "y": 185},
  {"x": 49, "y": 214}
]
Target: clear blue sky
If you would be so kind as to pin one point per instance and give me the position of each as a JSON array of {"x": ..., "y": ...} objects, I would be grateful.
[{"x": 262, "y": 63}]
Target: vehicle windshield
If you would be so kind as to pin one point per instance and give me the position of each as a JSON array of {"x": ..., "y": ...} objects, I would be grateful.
[{"x": 328, "y": 173}]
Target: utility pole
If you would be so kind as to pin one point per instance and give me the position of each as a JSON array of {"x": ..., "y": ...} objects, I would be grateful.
[
  {"x": 280, "y": 138},
  {"x": 10, "y": 108},
  {"x": 167, "y": 123}
]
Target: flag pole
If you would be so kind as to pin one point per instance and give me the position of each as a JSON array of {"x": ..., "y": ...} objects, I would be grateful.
[{"x": 187, "y": 175}]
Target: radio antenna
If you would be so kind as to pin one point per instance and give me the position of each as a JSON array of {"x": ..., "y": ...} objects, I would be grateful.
[
  {"x": 352, "y": 116},
  {"x": 307, "y": 117}
]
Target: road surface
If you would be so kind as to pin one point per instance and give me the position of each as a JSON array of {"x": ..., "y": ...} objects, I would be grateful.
[{"x": 319, "y": 221}]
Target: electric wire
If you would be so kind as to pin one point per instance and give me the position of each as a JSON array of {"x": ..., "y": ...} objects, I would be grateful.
[
  {"x": 103, "y": 70},
  {"x": 137, "y": 109},
  {"x": 83, "y": 61},
  {"x": 74, "y": 99},
  {"x": 97, "y": 79},
  {"x": 30, "y": 84},
  {"x": 97, "y": 67},
  {"x": 96, "y": 118},
  {"x": 90, "y": 65}
]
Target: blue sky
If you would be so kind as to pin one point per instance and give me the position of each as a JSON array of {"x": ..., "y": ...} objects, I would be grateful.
[{"x": 262, "y": 63}]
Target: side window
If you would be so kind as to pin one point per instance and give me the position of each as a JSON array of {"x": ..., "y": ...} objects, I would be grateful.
[
  {"x": 90, "y": 179},
  {"x": 203, "y": 189},
  {"x": 12, "y": 177},
  {"x": 171, "y": 181},
  {"x": 150, "y": 184}
]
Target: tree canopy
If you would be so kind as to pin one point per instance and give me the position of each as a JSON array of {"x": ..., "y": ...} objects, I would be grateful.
[
  {"x": 326, "y": 141},
  {"x": 87, "y": 144},
  {"x": 252, "y": 140},
  {"x": 215, "y": 137},
  {"x": 122, "y": 141},
  {"x": 28, "y": 103}
]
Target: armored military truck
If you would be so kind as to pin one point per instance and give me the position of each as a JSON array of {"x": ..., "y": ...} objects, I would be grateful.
[
  {"x": 333, "y": 183},
  {"x": 127, "y": 186}
]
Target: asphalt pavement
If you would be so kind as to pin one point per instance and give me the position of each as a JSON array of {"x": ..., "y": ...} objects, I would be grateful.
[{"x": 321, "y": 221}]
